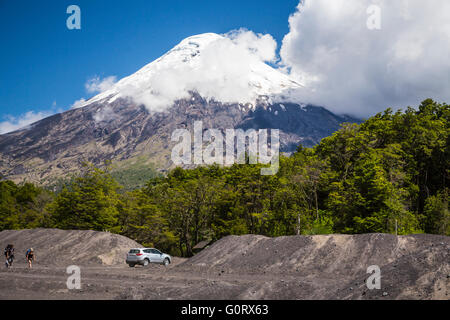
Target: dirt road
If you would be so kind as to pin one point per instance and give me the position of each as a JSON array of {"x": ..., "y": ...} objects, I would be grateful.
[{"x": 255, "y": 267}]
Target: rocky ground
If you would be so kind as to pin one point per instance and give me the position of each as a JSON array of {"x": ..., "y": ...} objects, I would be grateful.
[{"x": 236, "y": 267}]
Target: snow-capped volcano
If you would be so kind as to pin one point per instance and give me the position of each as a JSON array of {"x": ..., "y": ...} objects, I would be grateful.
[
  {"x": 230, "y": 68},
  {"x": 208, "y": 77}
]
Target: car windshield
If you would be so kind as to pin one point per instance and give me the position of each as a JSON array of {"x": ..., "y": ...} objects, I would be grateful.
[{"x": 135, "y": 251}]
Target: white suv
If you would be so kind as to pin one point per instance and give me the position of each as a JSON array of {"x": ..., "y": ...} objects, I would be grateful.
[{"x": 144, "y": 256}]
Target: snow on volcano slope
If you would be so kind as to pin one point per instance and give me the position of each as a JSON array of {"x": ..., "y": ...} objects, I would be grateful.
[{"x": 228, "y": 68}]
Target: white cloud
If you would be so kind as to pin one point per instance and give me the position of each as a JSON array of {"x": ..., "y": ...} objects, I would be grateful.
[
  {"x": 229, "y": 68},
  {"x": 22, "y": 121},
  {"x": 78, "y": 104},
  {"x": 98, "y": 85},
  {"x": 105, "y": 114},
  {"x": 95, "y": 85},
  {"x": 351, "y": 69}
]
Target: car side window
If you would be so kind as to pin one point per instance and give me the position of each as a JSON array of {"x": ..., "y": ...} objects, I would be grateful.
[
  {"x": 154, "y": 251},
  {"x": 147, "y": 251}
]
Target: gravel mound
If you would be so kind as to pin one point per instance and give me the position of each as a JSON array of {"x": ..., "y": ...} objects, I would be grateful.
[
  {"x": 64, "y": 247},
  {"x": 411, "y": 266},
  {"x": 236, "y": 267}
]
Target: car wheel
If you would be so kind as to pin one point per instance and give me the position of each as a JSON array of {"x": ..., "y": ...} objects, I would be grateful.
[
  {"x": 131, "y": 265},
  {"x": 166, "y": 262},
  {"x": 146, "y": 262}
]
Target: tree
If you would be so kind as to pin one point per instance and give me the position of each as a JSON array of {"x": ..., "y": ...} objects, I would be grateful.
[
  {"x": 437, "y": 215},
  {"x": 90, "y": 202},
  {"x": 23, "y": 206}
]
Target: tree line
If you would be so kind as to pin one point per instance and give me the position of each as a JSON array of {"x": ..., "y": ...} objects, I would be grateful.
[{"x": 389, "y": 174}]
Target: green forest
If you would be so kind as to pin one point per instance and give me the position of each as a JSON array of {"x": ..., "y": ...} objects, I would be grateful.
[{"x": 389, "y": 174}]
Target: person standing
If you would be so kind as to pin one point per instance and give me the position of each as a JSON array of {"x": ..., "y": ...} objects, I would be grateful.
[{"x": 30, "y": 257}]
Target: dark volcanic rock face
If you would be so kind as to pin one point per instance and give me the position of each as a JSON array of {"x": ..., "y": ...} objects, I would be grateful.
[
  {"x": 303, "y": 124},
  {"x": 122, "y": 131}
]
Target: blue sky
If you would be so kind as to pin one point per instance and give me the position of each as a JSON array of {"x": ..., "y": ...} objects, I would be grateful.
[{"x": 45, "y": 66}]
